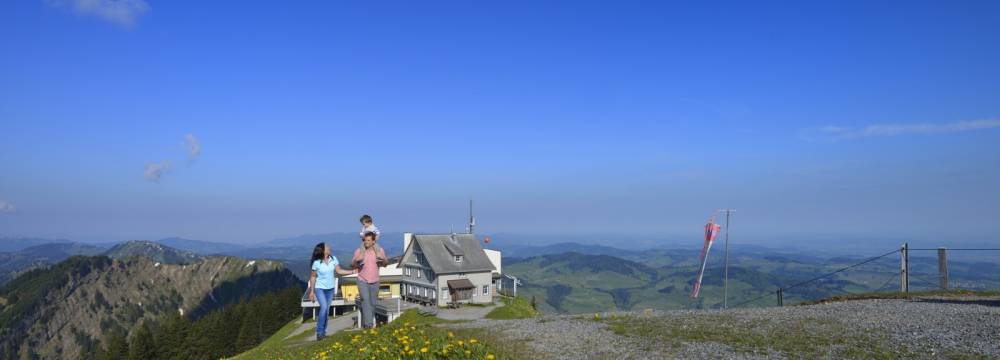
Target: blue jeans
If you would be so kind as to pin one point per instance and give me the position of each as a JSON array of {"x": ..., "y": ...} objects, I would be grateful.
[{"x": 324, "y": 296}]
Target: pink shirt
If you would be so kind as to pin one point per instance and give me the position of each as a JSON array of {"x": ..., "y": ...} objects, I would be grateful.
[{"x": 369, "y": 271}]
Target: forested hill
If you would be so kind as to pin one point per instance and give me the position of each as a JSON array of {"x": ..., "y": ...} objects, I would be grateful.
[{"x": 66, "y": 310}]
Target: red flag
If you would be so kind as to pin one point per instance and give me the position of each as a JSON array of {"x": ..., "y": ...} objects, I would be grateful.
[{"x": 711, "y": 231}]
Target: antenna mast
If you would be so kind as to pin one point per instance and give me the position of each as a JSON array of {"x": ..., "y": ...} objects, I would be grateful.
[
  {"x": 725, "y": 281},
  {"x": 472, "y": 219}
]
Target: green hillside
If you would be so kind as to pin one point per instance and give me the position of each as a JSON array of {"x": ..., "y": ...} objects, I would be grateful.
[{"x": 662, "y": 279}]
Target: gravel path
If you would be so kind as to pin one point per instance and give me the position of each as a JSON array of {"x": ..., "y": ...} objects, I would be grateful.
[
  {"x": 466, "y": 312},
  {"x": 333, "y": 325},
  {"x": 927, "y": 327}
]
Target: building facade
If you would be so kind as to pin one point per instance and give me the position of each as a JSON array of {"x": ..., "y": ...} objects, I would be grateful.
[{"x": 445, "y": 269}]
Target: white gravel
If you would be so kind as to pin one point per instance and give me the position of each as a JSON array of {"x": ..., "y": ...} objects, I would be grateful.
[{"x": 927, "y": 327}]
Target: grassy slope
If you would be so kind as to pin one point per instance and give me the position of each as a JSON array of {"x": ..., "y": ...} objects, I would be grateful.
[
  {"x": 516, "y": 308},
  {"x": 385, "y": 343},
  {"x": 798, "y": 339},
  {"x": 901, "y": 295}
]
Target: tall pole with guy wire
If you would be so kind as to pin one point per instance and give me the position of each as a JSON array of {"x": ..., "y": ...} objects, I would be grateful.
[{"x": 725, "y": 281}]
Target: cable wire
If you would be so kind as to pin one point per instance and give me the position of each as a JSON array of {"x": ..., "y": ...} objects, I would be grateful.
[
  {"x": 821, "y": 277},
  {"x": 842, "y": 269}
]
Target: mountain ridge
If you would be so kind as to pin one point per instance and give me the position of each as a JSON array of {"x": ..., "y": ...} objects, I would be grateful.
[
  {"x": 153, "y": 250},
  {"x": 65, "y": 309}
]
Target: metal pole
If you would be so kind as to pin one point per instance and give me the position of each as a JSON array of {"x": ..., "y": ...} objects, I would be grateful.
[
  {"x": 904, "y": 266},
  {"x": 943, "y": 267},
  {"x": 781, "y": 296},
  {"x": 907, "y": 267},
  {"x": 725, "y": 284}
]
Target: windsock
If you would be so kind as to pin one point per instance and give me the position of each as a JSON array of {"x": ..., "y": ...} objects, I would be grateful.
[{"x": 711, "y": 231}]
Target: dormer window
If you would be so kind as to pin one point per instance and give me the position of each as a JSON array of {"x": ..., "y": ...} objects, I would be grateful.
[{"x": 458, "y": 258}]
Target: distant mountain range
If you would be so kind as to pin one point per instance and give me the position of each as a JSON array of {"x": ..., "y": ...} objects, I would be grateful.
[
  {"x": 201, "y": 247},
  {"x": 392, "y": 242},
  {"x": 521, "y": 251},
  {"x": 18, "y": 244},
  {"x": 15, "y": 263}
]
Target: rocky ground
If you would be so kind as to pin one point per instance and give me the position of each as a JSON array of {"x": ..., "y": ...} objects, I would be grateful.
[{"x": 921, "y": 327}]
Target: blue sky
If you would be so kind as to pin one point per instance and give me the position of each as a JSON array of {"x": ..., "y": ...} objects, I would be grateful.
[{"x": 867, "y": 118}]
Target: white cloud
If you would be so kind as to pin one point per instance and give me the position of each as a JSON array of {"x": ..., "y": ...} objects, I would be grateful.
[
  {"x": 6, "y": 207},
  {"x": 907, "y": 129},
  {"x": 192, "y": 145},
  {"x": 121, "y": 12},
  {"x": 155, "y": 171}
]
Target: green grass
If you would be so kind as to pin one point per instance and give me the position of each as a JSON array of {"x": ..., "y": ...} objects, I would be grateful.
[
  {"x": 802, "y": 338},
  {"x": 384, "y": 343},
  {"x": 902, "y": 295},
  {"x": 516, "y": 308}
]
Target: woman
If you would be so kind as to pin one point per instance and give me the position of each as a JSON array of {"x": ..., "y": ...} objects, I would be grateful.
[
  {"x": 322, "y": 284},
  {"x": 368, "y": 260}
]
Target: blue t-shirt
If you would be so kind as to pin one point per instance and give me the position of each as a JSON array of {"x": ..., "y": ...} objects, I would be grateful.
[{"x": 325, "y": 278}]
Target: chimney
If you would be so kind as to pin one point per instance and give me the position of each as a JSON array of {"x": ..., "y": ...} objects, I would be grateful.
[{"x": 407, "y": 237}]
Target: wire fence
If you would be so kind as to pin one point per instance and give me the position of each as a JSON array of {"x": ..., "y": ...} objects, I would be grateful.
[{"x": 921, "y": 278}]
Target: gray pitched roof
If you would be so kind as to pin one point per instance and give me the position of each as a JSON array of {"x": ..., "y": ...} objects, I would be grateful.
[{"x": 439, "y": 250}]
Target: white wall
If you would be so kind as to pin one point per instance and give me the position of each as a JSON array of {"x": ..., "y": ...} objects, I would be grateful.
[
  {"x": 495, "y": 258},
  {"x": 407, "y": 238}
]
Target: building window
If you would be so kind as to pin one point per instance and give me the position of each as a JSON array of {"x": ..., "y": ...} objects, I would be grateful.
[
  {"x": 458, "y": 258},
  {"x": 486, "y": 289},
  {"x": 433, "y": 294},
  {"x": 407, "y": 271},
  {"x": 444, "y": 293},
  {"x": 418, "y": 272}
]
